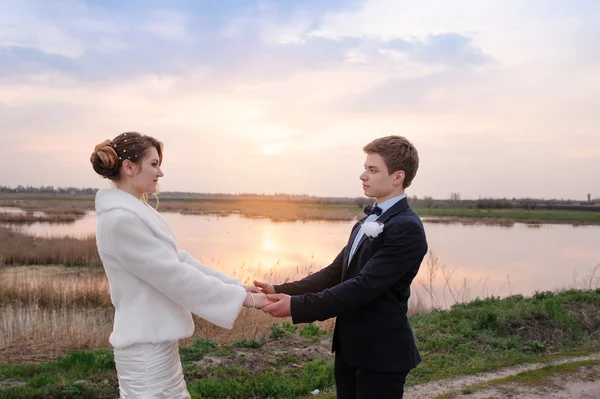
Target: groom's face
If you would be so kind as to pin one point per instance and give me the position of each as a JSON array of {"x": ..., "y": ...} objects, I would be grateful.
[{"x": 377, "y": 182}]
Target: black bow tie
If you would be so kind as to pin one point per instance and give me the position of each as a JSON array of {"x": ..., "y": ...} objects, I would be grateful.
[{"x": 370, "y": 210}]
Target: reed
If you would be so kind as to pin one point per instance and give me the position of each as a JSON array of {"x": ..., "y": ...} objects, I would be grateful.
[
  {"x": 274, "y": 210},
  {"x": 32, "y": 334},
  {"x": 50, "y": 207},
  {"x": 268, "y": 209},
  {"x": 30, "y": 218},
  {"x": 507, "y": 217},
  {"x": 20, "y": 249},
  {"x": 49, "y": 310},
  {"x": 52, "y": 287}
]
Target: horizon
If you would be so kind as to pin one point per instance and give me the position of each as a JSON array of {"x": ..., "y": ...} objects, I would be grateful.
[
  {"x": 282, "y": 194},
  {"x": 273, "y": 97}
]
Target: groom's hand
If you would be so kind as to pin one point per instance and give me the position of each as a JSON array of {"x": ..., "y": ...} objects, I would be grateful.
[
  {"x": 251, "y": 288},
  {"x": 264, "y": 287},
  {"x": 281, "y": 307}
]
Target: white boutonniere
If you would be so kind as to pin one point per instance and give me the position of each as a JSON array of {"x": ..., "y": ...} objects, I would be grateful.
[{"x": 372, "y": 229}]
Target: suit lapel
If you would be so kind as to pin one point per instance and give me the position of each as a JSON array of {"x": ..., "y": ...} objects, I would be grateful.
[
  {"x": 353, "y": 234},
  {"x": 383, "y": 218}
]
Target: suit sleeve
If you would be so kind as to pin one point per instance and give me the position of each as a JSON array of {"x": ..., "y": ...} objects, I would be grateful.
[
  {"x": 185, "y": 257},
  {"x": 402, "y": 250},
  {"x": 316, "y": 282},
  {"x": 157, "y": 263}
]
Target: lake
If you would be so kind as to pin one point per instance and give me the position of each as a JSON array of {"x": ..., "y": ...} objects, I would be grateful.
[
  {"x": 473, "y": 261},
  {"x": 480, "y": 260}
]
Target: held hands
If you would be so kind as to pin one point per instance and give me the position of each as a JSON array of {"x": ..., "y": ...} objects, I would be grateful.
[
  {"x": 279, "y": 305},
  {"x": 251, "y": 288},
  {"x": 256, "y": 300},
  {"x": 264, "y": 287}
]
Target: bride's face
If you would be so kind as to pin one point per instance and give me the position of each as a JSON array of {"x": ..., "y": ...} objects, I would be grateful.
[{"x": 145, "y": 174}]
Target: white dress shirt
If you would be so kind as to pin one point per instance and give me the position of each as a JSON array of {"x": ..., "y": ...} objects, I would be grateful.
[{"x": 371, "y": 218}]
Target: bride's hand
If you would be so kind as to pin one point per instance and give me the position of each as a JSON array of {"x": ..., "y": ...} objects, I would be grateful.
[
  {"x": 262, "y": 300},
  {"x": 257, "y": 301}
]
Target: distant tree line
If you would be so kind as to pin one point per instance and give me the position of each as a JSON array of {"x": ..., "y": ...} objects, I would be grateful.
[
  {"x": 454, "y": 200},
  {"x": 178, "y": 195},
  {"x": 47, "y": 190}
]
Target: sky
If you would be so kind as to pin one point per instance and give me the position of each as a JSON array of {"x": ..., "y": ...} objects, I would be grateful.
[{"x": 500, "y": 97}]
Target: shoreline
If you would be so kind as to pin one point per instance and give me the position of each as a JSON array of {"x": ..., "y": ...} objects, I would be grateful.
[
  {"x": 504, "y": 222},
  {"x": 61, "y": 211}
]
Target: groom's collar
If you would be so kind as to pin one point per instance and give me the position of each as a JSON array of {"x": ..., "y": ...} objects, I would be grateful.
[
  {"x": 397, "y": 206},
  {"x": 385, "y": 205}
]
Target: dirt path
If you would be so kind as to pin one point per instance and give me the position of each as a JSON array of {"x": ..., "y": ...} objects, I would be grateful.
[{"x": 572, "y": 387}]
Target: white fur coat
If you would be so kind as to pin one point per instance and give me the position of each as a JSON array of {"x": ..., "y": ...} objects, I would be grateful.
[{"x": 154, "y": 285}]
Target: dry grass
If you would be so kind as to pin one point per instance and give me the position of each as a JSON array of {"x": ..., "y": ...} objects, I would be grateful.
[
  {"x": 590, "y": 281},
  {"x": 50, "y": 207},
  {"x": 47, "y": 310},
  {"x": 29, "y": 333},
  {"x": 269, "y": 209},
  {"x": 441, "y": 289},
  {"x": 21, "y": 249},
  {"x": 54, "y": 287},
  {"x": 31, "y": 211},
  {"x": 274, "y": 210},
  {"x": 29, "y": 218}
]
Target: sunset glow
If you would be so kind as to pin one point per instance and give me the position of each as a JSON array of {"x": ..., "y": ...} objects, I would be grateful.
[{"x": 499, "y": 97}]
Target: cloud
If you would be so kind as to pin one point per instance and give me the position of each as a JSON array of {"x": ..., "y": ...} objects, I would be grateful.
[{"x": 281, "y": 96}]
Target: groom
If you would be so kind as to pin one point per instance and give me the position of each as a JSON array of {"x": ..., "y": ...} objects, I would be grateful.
[{"x": 368, "y": 284}]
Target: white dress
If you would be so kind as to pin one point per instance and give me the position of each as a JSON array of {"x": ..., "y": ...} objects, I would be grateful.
[{"x": 150, "y": 371}]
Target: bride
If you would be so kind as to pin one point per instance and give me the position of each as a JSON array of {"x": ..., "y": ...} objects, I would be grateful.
[{"x": 154, "y": 285}]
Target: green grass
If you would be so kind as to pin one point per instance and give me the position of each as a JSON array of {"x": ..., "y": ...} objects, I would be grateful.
[
  {"x": 246, "y": 343},
  {"x": 517, "y": 214},
  {"x": 285, "y": 330},
  {"x": 483, "y": 335},
  {"x": 542, "y": 216},
  {"x": 197, "y": 351},
  {"x": 493, "y": 333},
  {"x": 541, "y": 376},
  {"x": 76, "y": 375},
  {"x": 312, "y": 331},
  {"x": 237, "y": 382}
]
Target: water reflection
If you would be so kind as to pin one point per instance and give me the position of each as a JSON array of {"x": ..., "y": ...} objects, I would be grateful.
[{"x": 483, "y": 260}]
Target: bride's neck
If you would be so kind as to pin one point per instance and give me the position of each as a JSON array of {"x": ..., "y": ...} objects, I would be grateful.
[{"x": 129, "y": 189}]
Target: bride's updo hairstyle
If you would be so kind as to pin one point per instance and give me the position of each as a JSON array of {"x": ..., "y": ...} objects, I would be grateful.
[{"x": 109, "y": 155}]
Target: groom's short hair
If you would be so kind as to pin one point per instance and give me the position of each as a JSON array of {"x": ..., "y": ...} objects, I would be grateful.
[{"x": 398, "y": 154}]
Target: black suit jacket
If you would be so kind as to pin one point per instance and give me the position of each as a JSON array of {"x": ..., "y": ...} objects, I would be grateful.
[{"x": 369, "y": 295}]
